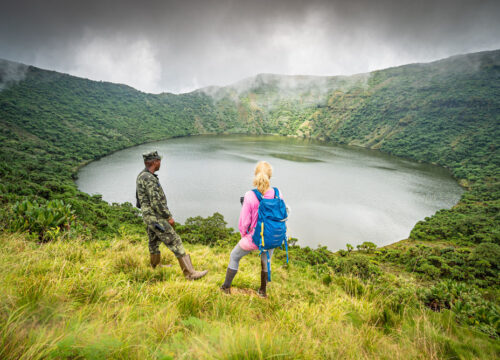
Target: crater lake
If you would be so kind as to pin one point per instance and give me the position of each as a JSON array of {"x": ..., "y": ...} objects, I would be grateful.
[{"x": 336, "y": 194}]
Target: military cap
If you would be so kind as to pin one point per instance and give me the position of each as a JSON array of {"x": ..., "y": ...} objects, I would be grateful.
[{"x": 151, "y": 155}]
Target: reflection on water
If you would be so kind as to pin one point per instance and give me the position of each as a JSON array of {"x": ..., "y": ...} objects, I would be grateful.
[
  {"x": 295, "y": 158},
  {"x": 337, "y": 194},
  {"x": 384, "y": 168}
]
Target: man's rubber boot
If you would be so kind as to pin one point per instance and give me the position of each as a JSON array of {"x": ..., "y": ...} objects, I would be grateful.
[
  {"x": 187, "y": 268},
  {"x": 263, "y": 284},
  {"x": 155, "y": 260},
  {"x": 226, "y": 287}
]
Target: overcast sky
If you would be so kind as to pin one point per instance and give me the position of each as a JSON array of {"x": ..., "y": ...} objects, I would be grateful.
[{"x": 178, "y": 46}]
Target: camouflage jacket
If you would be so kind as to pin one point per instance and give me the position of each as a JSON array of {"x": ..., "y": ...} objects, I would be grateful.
[{"x": 151, "y": 198}]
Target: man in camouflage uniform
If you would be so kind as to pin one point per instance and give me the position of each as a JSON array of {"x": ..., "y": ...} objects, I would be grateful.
[{"x": 159, "y": 221}]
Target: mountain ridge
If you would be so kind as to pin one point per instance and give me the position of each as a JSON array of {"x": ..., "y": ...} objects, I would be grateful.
[{"x": 276, "y": 75}]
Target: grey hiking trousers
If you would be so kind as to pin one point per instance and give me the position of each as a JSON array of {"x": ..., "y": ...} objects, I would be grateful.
[{"x": 238, "y": 253}]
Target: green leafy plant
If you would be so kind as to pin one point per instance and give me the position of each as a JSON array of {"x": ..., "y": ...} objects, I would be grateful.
[
  {"x": 211, "y": 230},
  {"x": 367, "y": 246},
  {"x": 45, "y": 219},
  {"x": 466, "y": 303}
]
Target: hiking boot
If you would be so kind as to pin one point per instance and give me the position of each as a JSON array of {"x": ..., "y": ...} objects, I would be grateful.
[
  {"x": 187, "y": 268},
  {"x": 263, "y": 284},
  {"x": 226, "y": 287}
]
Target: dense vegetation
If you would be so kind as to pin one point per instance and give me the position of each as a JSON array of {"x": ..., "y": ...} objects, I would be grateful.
[{"x": 444, "y": 277}]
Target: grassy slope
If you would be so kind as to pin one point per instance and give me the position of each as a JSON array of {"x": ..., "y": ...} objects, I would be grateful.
[{"x": 74, "y": 299}]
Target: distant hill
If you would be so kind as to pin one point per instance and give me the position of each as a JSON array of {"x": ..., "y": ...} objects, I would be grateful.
[{"x": 443, "y": 112}]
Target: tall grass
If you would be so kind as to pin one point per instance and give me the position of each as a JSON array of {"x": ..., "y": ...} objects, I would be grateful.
[{"x": 96, "y": 300}]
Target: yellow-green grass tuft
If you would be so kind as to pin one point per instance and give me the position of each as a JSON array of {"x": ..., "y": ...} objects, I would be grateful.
[{"x": 101, "y": 299}]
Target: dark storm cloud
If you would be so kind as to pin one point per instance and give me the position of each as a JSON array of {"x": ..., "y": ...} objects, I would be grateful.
[{"x": 181, "y": 45}]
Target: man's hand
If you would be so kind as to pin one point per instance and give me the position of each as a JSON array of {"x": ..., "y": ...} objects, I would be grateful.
[{"x": 171, "y": 222}]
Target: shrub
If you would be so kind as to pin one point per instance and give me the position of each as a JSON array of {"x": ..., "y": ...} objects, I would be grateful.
[
  {"x": 488, "y": 252},
  {"x": 357, "y": 265},
  {"x": 479, "y": 266},
  {"x": 465, "y": 301},
  {"x": 306, "y": 255},
  {"x": 430, "y": 270},
  {"x": 343, "y": 252},
  {"x": 324, "y": 260},
  {"x": 210, "y": 231},
  {"x": 367, "y": 246},
  {"x": 46, "y": 220}
]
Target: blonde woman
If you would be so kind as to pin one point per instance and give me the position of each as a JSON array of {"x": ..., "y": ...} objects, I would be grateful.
[{"x": 247, "y": 223}]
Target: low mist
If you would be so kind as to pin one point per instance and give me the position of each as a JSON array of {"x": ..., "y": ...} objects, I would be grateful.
[{"x": 11, "y": 73}]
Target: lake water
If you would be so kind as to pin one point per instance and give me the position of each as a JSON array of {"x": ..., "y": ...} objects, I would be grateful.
[{"x": 337, "y": 194}]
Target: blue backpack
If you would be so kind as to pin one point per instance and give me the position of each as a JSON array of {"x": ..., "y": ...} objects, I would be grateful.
[{"x": 270, "y": 231}]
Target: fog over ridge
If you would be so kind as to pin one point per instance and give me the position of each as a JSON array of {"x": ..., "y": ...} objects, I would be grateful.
[
  {"x": 177, "y": 46},
  {"x": 294, "y": 87},
  {"x": 11, "y": 72}
]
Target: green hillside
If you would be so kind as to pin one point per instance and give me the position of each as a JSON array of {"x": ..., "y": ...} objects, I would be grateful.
[
  {"x": 445, "y": 112},
  {"x": 434, "y": 295}
]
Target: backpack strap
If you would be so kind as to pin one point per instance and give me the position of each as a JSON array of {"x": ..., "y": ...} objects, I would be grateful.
[
  {"x": 258, "y": 194},
  {"x": 286, "y": 247},
  {"x": 268, "y": 266},
  {"x": 269, "y": 259}
]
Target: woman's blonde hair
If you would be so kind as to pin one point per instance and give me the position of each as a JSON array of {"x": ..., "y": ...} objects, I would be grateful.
[{"x": 262, "y": 178}]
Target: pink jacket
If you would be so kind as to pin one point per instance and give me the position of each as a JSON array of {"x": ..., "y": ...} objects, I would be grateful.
[{"x": 248, "y": 218}]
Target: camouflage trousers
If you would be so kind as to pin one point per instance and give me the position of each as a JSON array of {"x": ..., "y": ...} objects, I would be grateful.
[{"x": 169, "y": 237}]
